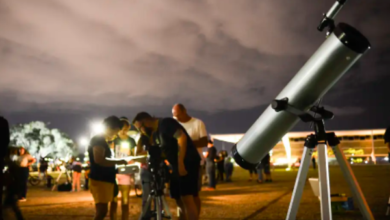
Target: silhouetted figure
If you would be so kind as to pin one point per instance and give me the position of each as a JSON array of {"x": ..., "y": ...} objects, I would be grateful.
[
  {"x": 266, "y": 163},
  {"x": 10, "y": 178},
  {"x": 220, "y": 166},
  {"x": 228, "y": 169},
  {"x": 211, "y": 155}
]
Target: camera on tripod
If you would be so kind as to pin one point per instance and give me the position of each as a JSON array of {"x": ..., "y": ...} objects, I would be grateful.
[
  {"x": 157, "y": 167},
  {"x": 156, "y": 200}
]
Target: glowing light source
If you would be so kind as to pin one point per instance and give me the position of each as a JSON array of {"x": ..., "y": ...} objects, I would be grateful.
[
  {"x": 286, "y": 143},
  {"x": 83, "y": 141},
  {"x": 97, "y": 128},
  {"x": 125, "y": 145}
]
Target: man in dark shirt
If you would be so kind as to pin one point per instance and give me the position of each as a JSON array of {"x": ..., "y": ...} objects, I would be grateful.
[
  {"x": 178, "y": 148},
  {"x": 102, "y": 174},
  {"x": 211, "y": 155}
]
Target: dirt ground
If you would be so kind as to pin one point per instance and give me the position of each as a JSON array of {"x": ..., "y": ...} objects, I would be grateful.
[{"x": 240, "y": 199}]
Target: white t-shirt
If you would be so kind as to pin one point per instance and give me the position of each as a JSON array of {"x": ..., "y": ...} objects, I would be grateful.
[
  {"x": 196, "y": 130},
  {"x": 24, "y": 159}
]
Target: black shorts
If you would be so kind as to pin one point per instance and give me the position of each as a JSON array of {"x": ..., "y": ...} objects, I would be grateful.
[
  {"x": 185, "y": 185},
  {"x": 77, "y": 168},
  {"x": 252, "y": 171},
  {"x": 267, "y": 169}
]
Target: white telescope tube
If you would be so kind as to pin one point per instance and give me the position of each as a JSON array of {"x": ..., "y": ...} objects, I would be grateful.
[{"x": 326, "y": 66}]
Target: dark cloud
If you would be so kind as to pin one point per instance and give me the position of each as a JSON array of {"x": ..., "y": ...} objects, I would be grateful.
[{"x": 219, "y": 57}]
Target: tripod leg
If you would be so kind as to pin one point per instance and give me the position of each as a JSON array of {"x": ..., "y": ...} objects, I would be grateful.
[
  {"x": 166, "y": 207},
  {"x": 57, "y": 180},
  {"x": 326, "y": 212},
  {"x": 299, "y": 184},
  {"x": 146, "y": 207},
  {"x": 353, "y": 184},
  {"x": 159, "y": 208}
]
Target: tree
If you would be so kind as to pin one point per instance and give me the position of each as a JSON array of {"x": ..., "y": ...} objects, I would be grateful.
[{"x": 42, "y": 141}]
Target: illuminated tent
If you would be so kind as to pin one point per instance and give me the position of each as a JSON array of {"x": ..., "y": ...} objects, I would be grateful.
[{"x": 293, "y": 141}]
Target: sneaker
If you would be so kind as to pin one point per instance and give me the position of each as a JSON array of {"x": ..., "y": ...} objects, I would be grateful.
[
  {"x": 259, "y": 181},
  {"x": 22, "y": 200}
]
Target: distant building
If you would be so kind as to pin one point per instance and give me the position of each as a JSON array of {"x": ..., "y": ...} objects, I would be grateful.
[{"x": 359, "y": 146}]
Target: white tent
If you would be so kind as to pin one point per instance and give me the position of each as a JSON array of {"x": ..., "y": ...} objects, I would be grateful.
[{"x": 234, "y": 138}]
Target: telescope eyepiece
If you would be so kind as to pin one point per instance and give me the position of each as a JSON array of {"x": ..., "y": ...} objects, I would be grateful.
[{"x": 280, "y": 105}]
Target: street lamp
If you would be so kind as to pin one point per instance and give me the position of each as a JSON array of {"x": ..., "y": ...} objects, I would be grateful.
[
  {"x": 83, "y": 141},
  {"x": 97, "y": 128}
]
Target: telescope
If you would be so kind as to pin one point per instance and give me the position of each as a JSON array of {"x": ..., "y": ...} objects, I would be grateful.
[{"x": 343, "y": 47}]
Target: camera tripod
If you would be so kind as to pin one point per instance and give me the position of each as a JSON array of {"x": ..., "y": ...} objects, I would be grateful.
[
  {"x": 320, "y": 140},
  {"x": 156, "y": 195},
  {"x": 68, "y": 177}
]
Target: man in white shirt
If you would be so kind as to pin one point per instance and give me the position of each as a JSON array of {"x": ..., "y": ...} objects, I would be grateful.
[{"x": 197, "y": 131}]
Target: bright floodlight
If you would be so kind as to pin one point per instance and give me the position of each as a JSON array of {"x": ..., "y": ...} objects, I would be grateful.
[
  {"x": 125, "y": 145},
  {"x": 83, "y": 141},
  {"x": 97, "y": 128}
]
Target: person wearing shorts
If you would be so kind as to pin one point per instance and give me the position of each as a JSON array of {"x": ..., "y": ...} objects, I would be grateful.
[
  {"x": 178, "y": 148},
  {"x": 196, "y": 129},
  {"x": 123, "y": 146},
  {"x": 103, "y": 173},
  {"x": 76, "y": 176}
]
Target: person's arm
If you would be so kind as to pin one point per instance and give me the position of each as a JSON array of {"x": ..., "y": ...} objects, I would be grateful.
[
  {"x": 203, "y": 141},
  {"x": 132, "y": 146},
  {"x": 31, "y": 160},
  {"x": 140, "y": 146},
  {"x": 99, "y": 157},
  {"x": 206, "y": 155},
  {"x": 182, "y": 142}
]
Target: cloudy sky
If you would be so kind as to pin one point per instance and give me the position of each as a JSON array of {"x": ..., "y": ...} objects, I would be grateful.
[{"x": 70, "y": 62}]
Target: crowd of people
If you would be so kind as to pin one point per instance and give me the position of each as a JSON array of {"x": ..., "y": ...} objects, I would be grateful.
[{"x": 182, "y": 140}]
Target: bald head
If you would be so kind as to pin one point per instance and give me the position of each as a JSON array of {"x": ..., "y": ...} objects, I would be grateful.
[{"x": 180, "y": 113}]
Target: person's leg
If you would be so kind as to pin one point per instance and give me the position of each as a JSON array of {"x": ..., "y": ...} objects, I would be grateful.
[
  {"x": 78, "y": 181},
  {"x": 267, "y": 171},
  {"x": 200, "y": 178},
  {"x": 102, "y": 193},
  {"x": 260, "y": 174},
  {"x": 125, "y": 192},
  {"x": 190, "y": 207},
  {"x": 114, "y": 209},
  {"x": 25, "y": 182},
  {"x": 146, "y": 188},
  {"x": 220, "y": 173},
  {"x": 74, "y": 180},
  {"x": 223, "y": 172},
  {"x": 227, "y": 174},
  {"x": 211, "y": 174},
  {"x": 181, "y": 209},
  {"x": 101, "y": 211}
]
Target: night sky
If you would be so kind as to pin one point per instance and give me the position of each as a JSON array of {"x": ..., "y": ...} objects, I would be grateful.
[{"x": 71, "y": 62}]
